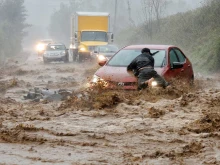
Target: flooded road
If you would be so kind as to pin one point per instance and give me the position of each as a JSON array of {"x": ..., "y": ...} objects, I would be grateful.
[{"x": 173, "y": 126}]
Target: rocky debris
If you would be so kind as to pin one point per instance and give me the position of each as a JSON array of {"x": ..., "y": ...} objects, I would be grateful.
[
  {"x": 176, "y": 125},
  {"x": 37, "y": 94},
  {"x": 209, "y": 122},
  {"x": 156, "y": 113}
]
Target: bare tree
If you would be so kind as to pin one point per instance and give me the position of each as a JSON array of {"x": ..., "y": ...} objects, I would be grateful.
[
  {"x": 159, "y": 6},
  {"x": 129, "y": 14},
  {"x": 147, "y": 8},
  {"x": 152, "y": 11}
]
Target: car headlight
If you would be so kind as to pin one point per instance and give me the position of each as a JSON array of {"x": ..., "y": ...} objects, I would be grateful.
[
  {"x": 82, "y": 49},
  {"x": 99, "y": 81},
  {"x": 95, "y": 79},
  {"x": 63, "y": 53},
  {"x": 154, "y": 84},
  {"x": 40, "y": 47}
]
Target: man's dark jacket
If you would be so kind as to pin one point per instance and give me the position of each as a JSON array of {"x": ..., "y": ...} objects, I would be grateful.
[{"x": 141, "y": 61}]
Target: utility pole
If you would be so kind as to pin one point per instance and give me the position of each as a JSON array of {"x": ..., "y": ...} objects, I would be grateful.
[{"x": 115, "y": 19}]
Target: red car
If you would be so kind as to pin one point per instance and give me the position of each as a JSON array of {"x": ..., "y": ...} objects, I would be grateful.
[{"x": 170, "y": 62}]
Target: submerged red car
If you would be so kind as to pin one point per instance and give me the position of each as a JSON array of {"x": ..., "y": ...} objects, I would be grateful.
[{"x": 170, "y": 62}]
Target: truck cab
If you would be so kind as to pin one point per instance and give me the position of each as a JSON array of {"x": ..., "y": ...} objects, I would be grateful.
[{"x": 88, "y": 30}]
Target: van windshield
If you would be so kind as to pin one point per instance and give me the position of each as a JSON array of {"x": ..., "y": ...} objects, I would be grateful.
[
  {"x": 55, "y": 47},
  {"x": 94, "y": 36}
]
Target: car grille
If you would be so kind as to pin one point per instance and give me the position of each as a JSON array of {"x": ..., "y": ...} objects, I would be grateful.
[{"x": 121, "y": 84}]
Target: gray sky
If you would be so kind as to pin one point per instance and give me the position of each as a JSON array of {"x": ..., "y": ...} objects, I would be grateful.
[{"x": 39, "y": 12}]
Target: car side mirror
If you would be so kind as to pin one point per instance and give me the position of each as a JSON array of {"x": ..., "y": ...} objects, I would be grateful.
[
  {"x": 177, "y": 65},
  {"x": 112, "y": 37},
  {"x": 102, "y": 62}
]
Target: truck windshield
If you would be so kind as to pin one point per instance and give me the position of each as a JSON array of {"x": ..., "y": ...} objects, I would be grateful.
[{"x": 94, "y": 36}]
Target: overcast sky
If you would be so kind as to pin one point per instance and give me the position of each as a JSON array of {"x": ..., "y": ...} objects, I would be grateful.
[{"x": 39, "y": 11}]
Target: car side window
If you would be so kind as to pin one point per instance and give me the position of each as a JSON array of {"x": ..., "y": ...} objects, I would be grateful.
[
  {"x": 173, "y": 57},
  {"x": 180, "y": 56},
  {"x": 164, "y": 62}
]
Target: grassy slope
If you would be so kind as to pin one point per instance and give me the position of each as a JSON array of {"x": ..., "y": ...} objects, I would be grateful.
[{"x": 196, "y": 32}]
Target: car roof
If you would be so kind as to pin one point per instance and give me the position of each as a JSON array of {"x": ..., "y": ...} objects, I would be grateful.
[{"x": 148, "y": 46}]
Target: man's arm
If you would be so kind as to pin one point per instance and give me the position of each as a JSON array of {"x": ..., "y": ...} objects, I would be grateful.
[
  {"x": 152, "y": 60},
  {"x": 131, "y": 66}
]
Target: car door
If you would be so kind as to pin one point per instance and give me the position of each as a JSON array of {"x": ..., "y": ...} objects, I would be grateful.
[
  {"x": 186, "y": 70},
  {"x": 171, "y": 72}
]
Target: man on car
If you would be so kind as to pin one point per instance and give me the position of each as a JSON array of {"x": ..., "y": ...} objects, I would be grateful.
[{"x": 143, "y": 68}]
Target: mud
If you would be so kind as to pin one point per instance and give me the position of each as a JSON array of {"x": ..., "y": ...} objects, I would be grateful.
[{"x": 178, "y": 125}]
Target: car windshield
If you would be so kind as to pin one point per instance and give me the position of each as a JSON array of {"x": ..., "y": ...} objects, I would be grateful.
[
  {"x": 55, "y": 47},
  {"x": 124, "y": 57},
  {"x": 94, "y": 36},
  {"x": 107, "y": 49}
]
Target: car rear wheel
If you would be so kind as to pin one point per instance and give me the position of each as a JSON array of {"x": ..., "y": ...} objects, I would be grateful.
[{"x": 191, "y": 82}]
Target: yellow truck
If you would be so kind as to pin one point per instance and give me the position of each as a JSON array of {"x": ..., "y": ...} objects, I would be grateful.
[{"x": 88, "y": 30}]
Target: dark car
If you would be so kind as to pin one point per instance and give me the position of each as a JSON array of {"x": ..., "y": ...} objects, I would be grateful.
[
  {"x": 56, "y": 52},
  {"x": 105, "y": 51},
  {"x": 170, "y": 62}
]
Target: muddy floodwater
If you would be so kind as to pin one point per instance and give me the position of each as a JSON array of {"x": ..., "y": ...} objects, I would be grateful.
[{"x": 174, "y": 126}]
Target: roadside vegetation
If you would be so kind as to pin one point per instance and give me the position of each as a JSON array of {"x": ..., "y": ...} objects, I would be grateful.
[
  {"x": 197, "y": 32},
  {"x": 12, "y": 25}
]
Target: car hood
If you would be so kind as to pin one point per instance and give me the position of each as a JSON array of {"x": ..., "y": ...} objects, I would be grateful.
[
  {"x": 118, "y": 74},
  {"x": 93, "y": 43}
]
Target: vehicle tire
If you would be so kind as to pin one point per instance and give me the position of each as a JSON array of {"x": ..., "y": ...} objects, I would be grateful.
[
  {"x": 66, "y": 59},
  {"x": 191, "y": 82}
]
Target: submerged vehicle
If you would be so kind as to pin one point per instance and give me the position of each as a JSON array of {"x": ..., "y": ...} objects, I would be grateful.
[
  {"x": 56, "y": 52},
  {"x": 170, "y": 62},
  {"x": 88, "y": 30}
]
